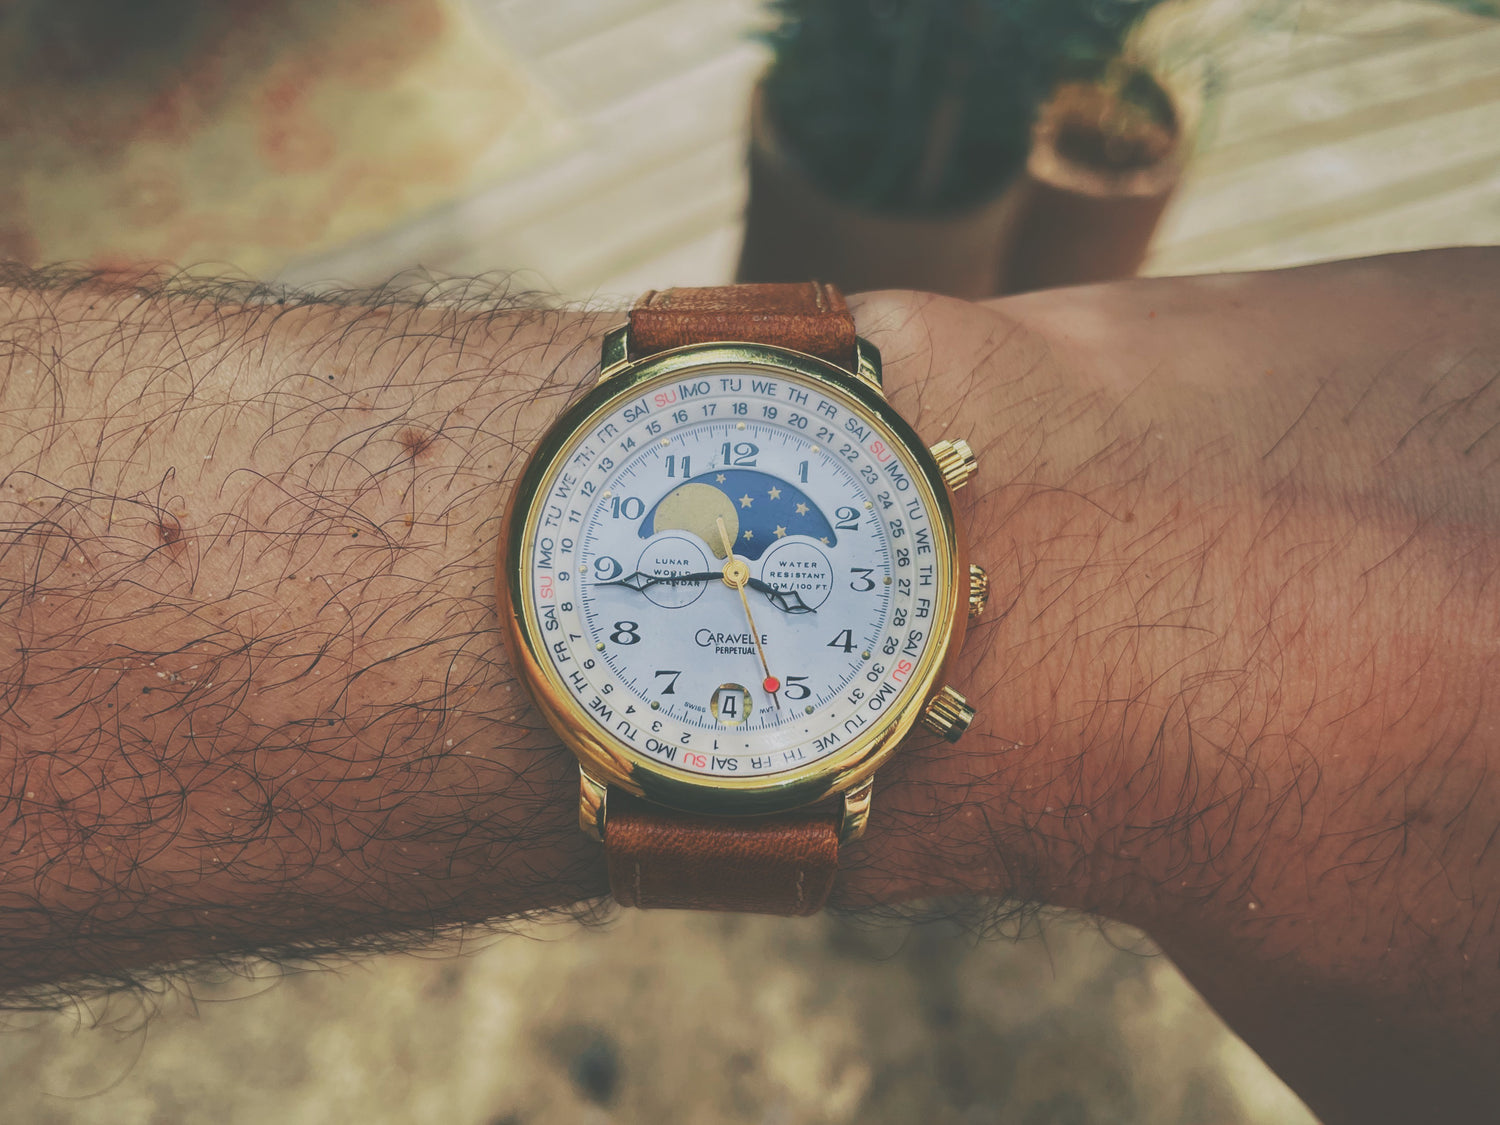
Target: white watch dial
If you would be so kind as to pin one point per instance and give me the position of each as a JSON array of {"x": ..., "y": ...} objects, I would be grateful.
[{"x": 735, "y": 574}]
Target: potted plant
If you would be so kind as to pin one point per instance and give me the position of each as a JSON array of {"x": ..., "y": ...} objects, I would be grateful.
[
  {"x": 1107, "y": 152},
  {"x": 889, "y": 137}
]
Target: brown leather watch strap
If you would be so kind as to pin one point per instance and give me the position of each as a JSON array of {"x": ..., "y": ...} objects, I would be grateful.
[
  {"x": 759, "y": 865},
  {"x": 762, "y": 865},
  {"x": 806, "y": 316}
]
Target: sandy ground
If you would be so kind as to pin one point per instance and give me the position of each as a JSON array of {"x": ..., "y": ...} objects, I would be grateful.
[{"x": 667, "y": 1018}]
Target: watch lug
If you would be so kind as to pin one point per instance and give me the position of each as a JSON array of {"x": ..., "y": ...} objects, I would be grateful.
[
  {"x": 867, "y": 362},
  {"x": 614, "y": 354},
  {"x": 592, "y": 796},
  {"x": 856, "y": 811}
]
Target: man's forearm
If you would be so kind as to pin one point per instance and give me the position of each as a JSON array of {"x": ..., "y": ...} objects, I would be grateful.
[
  {"x": 253, "y": 693},
  {"x": 1236, "y": 683}
]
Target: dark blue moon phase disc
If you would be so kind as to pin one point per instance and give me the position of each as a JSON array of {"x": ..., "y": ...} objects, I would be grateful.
[{"x": 758, "y": 511}]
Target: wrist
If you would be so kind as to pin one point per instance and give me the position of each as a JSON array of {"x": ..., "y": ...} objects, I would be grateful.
[
  {"x": 960, "y": 819},
  {"x": 1232, "y": 605}
]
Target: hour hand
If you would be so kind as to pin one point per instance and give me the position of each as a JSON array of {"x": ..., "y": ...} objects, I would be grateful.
[{"x": 642, "y": 581}]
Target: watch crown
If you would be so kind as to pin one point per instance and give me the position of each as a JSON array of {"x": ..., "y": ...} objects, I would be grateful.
[
  {"x": 956, "y": 461},
  {"x": 947, "y": 713},
  {"x": 979, "y": 589}
]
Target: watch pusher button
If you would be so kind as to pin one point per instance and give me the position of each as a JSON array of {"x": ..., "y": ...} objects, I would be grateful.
[
  {"x": 947, "y": 713},
  {"x": 979, "y": 589},
  {"x": 956, "y": 461}
]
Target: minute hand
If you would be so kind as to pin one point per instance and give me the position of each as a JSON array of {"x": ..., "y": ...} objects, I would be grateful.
[{"x": 788, "y": 601}]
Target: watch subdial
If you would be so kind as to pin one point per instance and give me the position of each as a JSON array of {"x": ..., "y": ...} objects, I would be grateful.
[
  {"x": 673, "y": 557},
  {"x": 799, "y": 567}
]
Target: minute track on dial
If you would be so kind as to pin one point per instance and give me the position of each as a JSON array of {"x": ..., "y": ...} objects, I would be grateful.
[{"x": 788, "y": 601}]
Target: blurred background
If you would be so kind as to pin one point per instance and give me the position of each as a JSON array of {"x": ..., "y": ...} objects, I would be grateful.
[{"x": 603, "y": 147}]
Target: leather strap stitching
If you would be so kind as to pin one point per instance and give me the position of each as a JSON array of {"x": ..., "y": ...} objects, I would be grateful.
[{"x": 808, "y": 317}]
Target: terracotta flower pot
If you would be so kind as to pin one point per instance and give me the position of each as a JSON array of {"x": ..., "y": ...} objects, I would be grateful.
[
  {"x": 795, "y": 231},
  {"x": 1096, "y": 183}
]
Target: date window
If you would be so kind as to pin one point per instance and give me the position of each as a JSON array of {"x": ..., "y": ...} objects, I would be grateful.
[{"x": 730, "y": 704}]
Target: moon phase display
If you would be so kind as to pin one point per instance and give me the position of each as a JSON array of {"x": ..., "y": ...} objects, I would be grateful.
[{"x": 758, "y": 509}]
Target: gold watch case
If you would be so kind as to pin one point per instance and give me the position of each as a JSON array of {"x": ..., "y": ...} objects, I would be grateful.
[{"x": 604, "y": 758}]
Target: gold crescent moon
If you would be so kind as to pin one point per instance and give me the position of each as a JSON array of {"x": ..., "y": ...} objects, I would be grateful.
[{"x": 697, "y": 508}]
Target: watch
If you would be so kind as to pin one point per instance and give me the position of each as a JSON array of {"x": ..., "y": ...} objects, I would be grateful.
[{"x": 731, "y": 579}]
